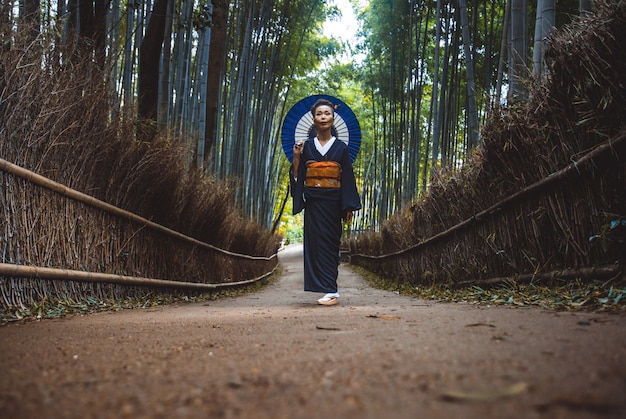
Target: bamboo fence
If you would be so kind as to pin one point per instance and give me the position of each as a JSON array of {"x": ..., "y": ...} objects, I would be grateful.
[{"x": 56, "y": 227}]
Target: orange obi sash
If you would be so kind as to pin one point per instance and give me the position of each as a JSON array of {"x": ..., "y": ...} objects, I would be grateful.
[{"x": 323, "y": 174}]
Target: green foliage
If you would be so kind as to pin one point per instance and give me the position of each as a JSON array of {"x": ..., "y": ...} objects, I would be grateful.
[
  {"x": 612, "y": 233},
  {"x": 560, "y": 295},
  {"x": 60, "y": 307},
  {"x": 292, "y": 229},
  {"x": 306, "y": 48},
  {"x": 201, "y": 17}
]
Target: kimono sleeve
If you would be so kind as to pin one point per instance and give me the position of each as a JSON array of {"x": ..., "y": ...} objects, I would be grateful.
[
  {"x": 350, "y": 200},
  {"x": 297, "y": 188}
]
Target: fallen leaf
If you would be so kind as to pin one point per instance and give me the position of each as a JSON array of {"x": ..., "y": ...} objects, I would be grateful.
[
  {"x": 487, "y": 395},
  {"x": 326, "y": 328},
  {"x": 479, "y": 324},
  {"x": 384, "y": 316}
]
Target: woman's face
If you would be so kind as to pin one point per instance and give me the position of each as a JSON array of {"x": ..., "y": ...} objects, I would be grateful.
[{"x": 324, "y": 116}]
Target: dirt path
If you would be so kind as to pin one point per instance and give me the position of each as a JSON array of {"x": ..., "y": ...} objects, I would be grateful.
[{"x": 277, "y": 354}]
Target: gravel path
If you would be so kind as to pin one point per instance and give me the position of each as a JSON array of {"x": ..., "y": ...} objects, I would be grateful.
[{"x": 277, "y": 354}]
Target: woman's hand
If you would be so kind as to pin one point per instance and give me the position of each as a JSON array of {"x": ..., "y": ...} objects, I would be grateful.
[
  {"x": 298, "y": 146},
  {"x": 297, "y": 149},
  {"x": 348, "y": 217}
]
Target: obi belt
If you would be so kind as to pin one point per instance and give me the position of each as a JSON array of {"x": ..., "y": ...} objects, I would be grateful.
[{"x": 323, "y": 174}]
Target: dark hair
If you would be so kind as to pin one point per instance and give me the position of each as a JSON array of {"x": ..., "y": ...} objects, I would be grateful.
[{"x": 322, "y": 102}]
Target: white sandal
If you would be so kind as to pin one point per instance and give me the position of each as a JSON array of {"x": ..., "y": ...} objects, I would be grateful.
[{"x": 327, "y": 300}]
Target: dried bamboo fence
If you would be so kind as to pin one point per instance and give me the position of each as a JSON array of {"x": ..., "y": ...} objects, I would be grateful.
[
  {"x": 508, "y": 216},
  {"x": 545, "y": 196},
  {"x": 87, "y": 248}
]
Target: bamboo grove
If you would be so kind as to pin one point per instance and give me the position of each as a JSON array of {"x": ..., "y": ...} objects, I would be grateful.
[
  {"x": 434, "y": 71},
  {"x": 222, "y": 74}
]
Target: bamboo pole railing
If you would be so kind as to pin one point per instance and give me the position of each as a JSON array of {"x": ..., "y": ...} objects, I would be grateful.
[
  {"x": 21, "y": 271},
  {"x": 608, "y": 271}
]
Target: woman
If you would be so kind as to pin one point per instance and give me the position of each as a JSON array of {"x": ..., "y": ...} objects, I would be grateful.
[{"x": 323, "y": 184}]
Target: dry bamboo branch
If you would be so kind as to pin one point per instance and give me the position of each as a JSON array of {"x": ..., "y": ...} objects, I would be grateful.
[
  {"x": 21, "y": 271},
  {"x": 96, "y": 203}
]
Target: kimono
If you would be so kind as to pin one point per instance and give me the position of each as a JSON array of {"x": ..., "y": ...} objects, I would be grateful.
[{"x": 324, "y": 209}]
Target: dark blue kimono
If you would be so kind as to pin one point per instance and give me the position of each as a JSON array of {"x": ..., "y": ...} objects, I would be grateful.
[{"x": 324, "y": 209}]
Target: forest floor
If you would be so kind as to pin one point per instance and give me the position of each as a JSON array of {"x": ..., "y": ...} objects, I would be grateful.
[{"x": 277, "y": 354}]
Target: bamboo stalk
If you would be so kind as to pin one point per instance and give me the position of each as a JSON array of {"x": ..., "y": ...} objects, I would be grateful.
[{"x": 21, "y": 271}]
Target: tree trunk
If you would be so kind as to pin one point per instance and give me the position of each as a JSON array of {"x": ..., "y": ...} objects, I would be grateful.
[
  {"x": 216, "y": 67},
  {"x": 127, "y": 73},
  {"x": 164, "y": 73},
  {"x": 505, "y": 46},
  {"x": 518, "y": 69},
  {"x": 435, "y": 116},
  {"x": 149, "y": 60},
  {"x": 203, "y": 64},
  {"x": 71, "y": 23},
  {"x": 472, "y": 110},
  {"x": 586, "y": 6},
  {"x": 544, "y": 24},
  {"x": 30, "y": 15}
]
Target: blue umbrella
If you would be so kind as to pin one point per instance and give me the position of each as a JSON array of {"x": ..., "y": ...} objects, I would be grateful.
[{"x": 298, "y": 124}]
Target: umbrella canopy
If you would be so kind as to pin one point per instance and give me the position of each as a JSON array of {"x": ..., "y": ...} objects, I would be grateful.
[{"x": 298, "y": 124}]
